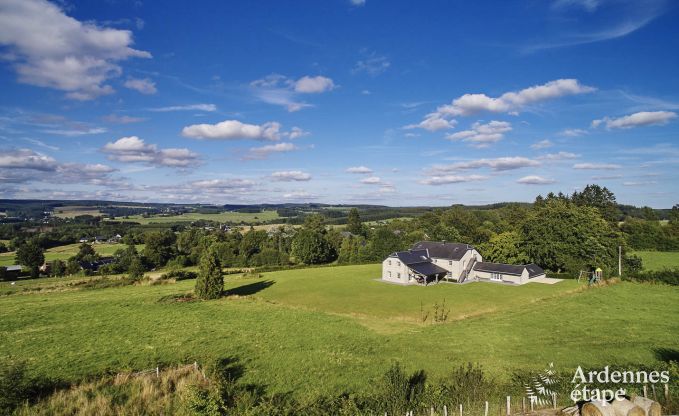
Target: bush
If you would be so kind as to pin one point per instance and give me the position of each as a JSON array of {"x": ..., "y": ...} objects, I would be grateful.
[
  {"x": 666, "y": 276},
  {"x": 179, "y": 275}
]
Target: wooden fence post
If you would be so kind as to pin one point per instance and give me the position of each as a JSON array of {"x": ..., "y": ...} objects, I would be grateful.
[
  {"x": 667, "y": 393},
  {"x": 532, "y": 403},
  {"x": 445, "y": 410},
  {"x": 431, "y": 412},
  {"x": 645, "y": 391},
  {"x": 485, "y": 413},
  {"x": 509, "y": 405},
  {"x": 158, "y": 372},
  {"x": 523, "y": 404},
  {"x": 460, "y": 409},
  {"x": 653, "y": 390},
  {"x": 554, "y": 399}
]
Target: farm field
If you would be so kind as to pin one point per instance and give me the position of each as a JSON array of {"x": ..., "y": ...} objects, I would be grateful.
[
  {"x": 334, "y": 329},
  {"x": 70, "y": 211},
  {"x": 658, "y": 260},
  {"x": 226, "y": 216},
  {"x": 69, "y": 250}
]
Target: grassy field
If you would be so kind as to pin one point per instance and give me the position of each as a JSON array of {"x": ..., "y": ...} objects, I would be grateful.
[
  {"x": 658, "y": 260},
  {"x": 335, "y": 329},
  {"x": 70, "y": 211},
  {"x": 226, "y": 216},
  {"x": 64, "y": 252}
]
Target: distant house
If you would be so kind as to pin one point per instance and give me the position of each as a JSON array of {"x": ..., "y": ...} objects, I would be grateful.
[
  {"x": 432, "y": 262},
  {"x": 99, "y": 239},
  {"x": 94, "y": 266},
  {"x": 11, "y": 272},
  {"x": 84, "y": 240}
]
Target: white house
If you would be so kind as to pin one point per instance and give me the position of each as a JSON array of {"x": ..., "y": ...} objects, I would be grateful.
[{"x": 431, "y": 261}]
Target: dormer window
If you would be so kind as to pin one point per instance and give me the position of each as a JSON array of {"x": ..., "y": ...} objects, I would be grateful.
[{"x": 450, "y": 262}]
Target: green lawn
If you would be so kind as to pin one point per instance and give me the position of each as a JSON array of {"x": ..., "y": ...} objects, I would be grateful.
[
  {"x": 335, "y": 329},
  {"x": 67, "y": 251},
  {"x": 658, "y": 260},
  {"x": 226, "y": 216}
]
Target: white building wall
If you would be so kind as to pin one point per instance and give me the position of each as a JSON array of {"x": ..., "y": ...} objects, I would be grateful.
[
  {"x": 393, "y": 270},
  {"x": 456, "y": 267}
]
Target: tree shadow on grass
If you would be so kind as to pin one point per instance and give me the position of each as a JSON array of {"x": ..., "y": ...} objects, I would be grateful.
[
  {"x": 666, "y": 354},
  {"x": 249, "y": 289}
]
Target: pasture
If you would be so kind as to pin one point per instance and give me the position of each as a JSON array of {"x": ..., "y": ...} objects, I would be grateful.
[
  {"x": 223, "y": 217},
  {"x": 67, "y": 251},
  {"x": 334, "y": 329},
  {"x": 658, "y": 260},
  {"x": 71, "y": 211}
]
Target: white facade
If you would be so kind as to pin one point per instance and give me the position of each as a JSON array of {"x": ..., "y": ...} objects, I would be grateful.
[{"x": 393, "y": 270}]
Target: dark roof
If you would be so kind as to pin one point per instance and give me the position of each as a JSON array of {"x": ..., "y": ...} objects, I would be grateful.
[
  {"x": 533, "y": 269},
  {"x": 441, "y": 250},
  {"x": 428, "y": 269},
  {"x": 412, "y": 256},
  {"x": 13, "y": 268}
]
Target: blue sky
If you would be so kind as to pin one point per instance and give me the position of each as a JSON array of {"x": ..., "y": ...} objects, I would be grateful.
[{"x": 339, "y": 101}]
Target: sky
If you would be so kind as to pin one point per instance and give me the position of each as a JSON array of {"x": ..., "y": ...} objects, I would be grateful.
[{"x": 401, "y": 103}]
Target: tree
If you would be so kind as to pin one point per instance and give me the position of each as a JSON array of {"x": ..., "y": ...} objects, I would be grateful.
[
  {"x": 32, "y": 256},
  {"x": 160, "y": 247},
  {"x": 384, "y": 242},
  {"x": 72, "y": 266},
  {"x": 311, "y": 247},
  {"x": 561, "y": 236},
  {"x": 86, "y": 253},
  {"x": 3, "y": 248},
  {"x": 354, "y": 224},
  {"x": 210, "y": 282},
  {"x": 57, "y": 268},
  {"x": 505, "y": 247},
  {"x": 599, "y": 198},
  {"x": 136, "y": 268}
]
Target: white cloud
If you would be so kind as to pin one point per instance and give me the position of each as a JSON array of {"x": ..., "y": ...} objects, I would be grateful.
[
  {"x": 357, "y": 2},
  {"x": 296, "y": 133},
  {"x": 498, "y": 164},
  {"x": 264, "y": 151},
  {"x": 573, "y": 132},
  {"x": 372, "y": 180},
  {"x": 280, "y": 90},
  {"x": 360, "y": 170},
  {"x": 222, "y": 185},
  {"x": 596, "y": 166},
  {"x": 559, "y": 156},
  {"x": 449, "y": 179},
  {"x": 299, "y": 195},
  {"x": 313, "y": 85},
  {"x": 291, "y": 175},
  {"x": 542, "y": 144},
  {"x": 26, "y": 159},
  {"x": 134, "y": 150},
  {"x": 79, "y": 131},
  {"x": 639, "y": 183},
  {"x": 482, "y": 135},
  {"x": 372, "y": 64},
  {"x": 509, "y": 102},
  {"x": 144, "y": 86},
  {"x": 233, "y": 130},
  {"x": 433, "y": 122},
  {"x": 49, "y": 49},
  {"x": 589, "y": 5},
  {"x": 642, "y": 118},
  {"x": 535, "y": 180},
  {"x": 190, "y": 107},
  {"x": 116, "y": 119}
]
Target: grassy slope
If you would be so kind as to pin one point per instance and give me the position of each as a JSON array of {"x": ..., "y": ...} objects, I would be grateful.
[
  {"x": 193, "y": 216},
  {"x": 288, "y": 342},
  {"x": 658, "y": 260},
  {"x": 64, "y": 252}
]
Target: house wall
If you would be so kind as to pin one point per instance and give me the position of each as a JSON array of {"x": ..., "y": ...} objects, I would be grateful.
[
  {"x": 456, "y": 267},
  {"x": 507, "y": 278},
  {"x": 396, "y": 267}
]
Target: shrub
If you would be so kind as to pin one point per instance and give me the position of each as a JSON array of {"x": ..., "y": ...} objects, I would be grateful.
[
  {"x": 179, "y": 275},
  {"x": 210, "y": 282},
  {"x": 666, "y": 276}
]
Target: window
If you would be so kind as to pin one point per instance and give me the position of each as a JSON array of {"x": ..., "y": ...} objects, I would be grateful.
[
  {"x": 389, "y": 263},
  {"x": 389, "y": 274},
  {"x": 398, "y": 275},
  {"x": 450, "y": 262},
  {"x": 450, "y": 274},
  {"x": 496, "y": 276},
  {"x": 398, "y": 263}
]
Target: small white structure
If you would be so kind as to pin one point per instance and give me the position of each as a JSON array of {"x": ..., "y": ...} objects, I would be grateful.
[{"x": 431, "y": 261}]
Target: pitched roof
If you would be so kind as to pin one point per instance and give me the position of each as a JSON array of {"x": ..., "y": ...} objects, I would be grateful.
[
  {"x": 517, "y": 270},
  {"x": 412, "y": 256},
  {"x": 442, "y": 250},
  {"x": 426, "y": 268}
]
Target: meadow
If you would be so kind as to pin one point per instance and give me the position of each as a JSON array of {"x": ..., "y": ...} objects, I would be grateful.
[
  {"x": 67, "y": 251},
  {"x": 335, "y": 329},
  {"x": 224, "y": 217},
  {"x": 658, "y": 260}
]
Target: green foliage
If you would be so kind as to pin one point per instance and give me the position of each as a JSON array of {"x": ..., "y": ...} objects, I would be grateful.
[
  {"x": 383, "y": 242},
  {"x": 310, "y": 247},
  {"x": 353, "y": 250},
  {"x": 632, "y": 264},
  {"x": 57, "y": 268},
  {"x": 160, "y": 247},
  {"x": 210, "y": 282},
  {"x": 559, "y": 236},
  {"x": 31, "y": 255},
  {"x": 354, "y": 224},
  {"x": 600, "y": 198},
  {"x": 650, "y": 235},
  {"x": 505, "y": 247},
  {"x": 136, "y": 269},
  {"x": 179, "y": 275},
  {"x": 86, "y": 253},
  {"x": 3, "y": 248},
  {"x": 399, "y": 392},
  {"x": 666, "y": 276},
  {"x": 15, "y": 386}
]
